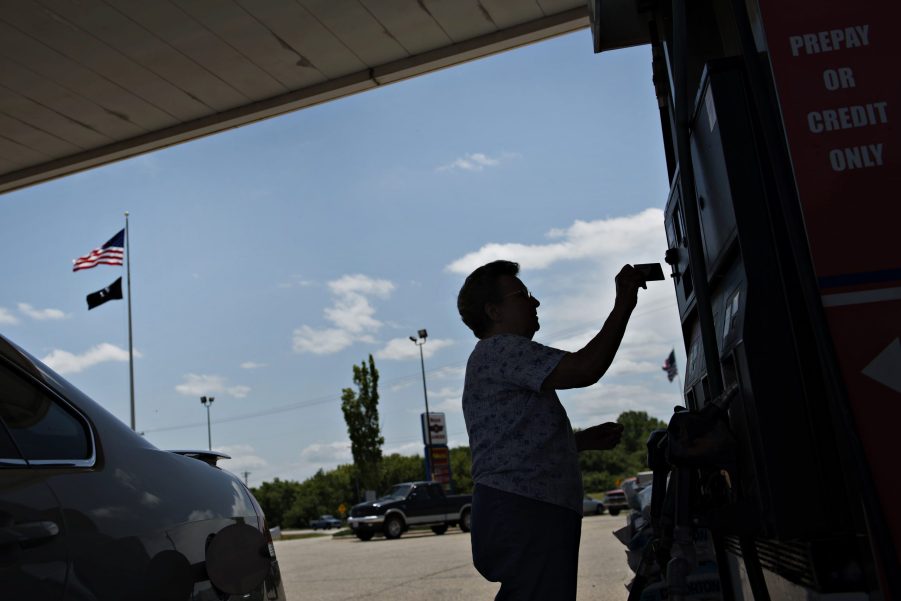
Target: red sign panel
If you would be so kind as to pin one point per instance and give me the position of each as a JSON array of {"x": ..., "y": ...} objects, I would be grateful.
[
  {"x": 836, "y": 67},
  {"x": 440, "y": 462}
]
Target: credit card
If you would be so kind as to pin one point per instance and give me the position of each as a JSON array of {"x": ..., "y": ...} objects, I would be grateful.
[{"x": 650, "y": 271}]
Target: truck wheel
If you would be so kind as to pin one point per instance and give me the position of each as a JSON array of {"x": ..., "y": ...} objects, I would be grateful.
[
  {"x": 439, "y": 529},
  {"x": 614, "y": 511},
  {"x": 365, "y": 535},
  {"x": 394, "y": 527},
  {"x": 465, "y": 521}
]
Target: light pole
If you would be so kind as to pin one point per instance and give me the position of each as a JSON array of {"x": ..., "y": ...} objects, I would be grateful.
[
  {"x": 422, "y": 334},
  {"x": 206, "y": 402}
]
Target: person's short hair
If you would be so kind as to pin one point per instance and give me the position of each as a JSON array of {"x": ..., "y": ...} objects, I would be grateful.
[{"x": 480, "y": 288}]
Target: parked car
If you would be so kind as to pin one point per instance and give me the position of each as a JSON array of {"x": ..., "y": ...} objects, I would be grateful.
[
  {"x": 326, "y": 522},
  {"x": 90, "y": 509},
  {"x": 591, "y": 506},
  {"x": 615, "y": 501},
  {"x": 410, "y": 504}
]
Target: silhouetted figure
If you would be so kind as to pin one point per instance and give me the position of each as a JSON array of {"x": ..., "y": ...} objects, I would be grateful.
[{"x": 527, "y": 502}]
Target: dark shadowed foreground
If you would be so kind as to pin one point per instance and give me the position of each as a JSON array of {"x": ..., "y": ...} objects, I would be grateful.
[{"x": 421, "y": 565}]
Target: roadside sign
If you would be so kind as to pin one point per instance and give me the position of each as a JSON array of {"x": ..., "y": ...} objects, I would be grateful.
[
  {"x": 440, "y": 462},
  {"x": 436, "y": 427},
  {"x": 832, "y": 61}
]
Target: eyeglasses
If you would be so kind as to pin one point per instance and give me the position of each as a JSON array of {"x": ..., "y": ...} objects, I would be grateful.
[{"x": 525, "y": 292}]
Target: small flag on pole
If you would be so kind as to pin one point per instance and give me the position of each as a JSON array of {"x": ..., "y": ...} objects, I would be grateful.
[
  {"x": 111, "y": 292},
  {"x": 108, "y": 254},
  {"x": 669, "y": 366}
]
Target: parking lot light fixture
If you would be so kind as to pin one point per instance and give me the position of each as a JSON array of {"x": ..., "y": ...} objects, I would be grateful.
[
  {"x": 206, "y": 402},
  {"x": 420, "y": 341}
]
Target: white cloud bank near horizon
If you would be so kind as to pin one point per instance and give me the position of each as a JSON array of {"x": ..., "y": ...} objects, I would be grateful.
[{"x": 64, "y": 362}]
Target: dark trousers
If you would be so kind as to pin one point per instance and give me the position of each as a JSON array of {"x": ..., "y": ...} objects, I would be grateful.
[{"x": 530, "y": 547}]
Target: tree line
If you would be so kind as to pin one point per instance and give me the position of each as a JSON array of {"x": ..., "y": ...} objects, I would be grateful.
[{"x": 292, "y": 504}]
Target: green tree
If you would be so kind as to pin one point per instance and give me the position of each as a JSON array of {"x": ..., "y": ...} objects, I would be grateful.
[
  {"x": 461, "y": 469},
  {"x": 276, "y": 498},
  {"x": 400, "y": 468},
  {"x": 637, "y": 426},
  {"x": 321, "y": 494},
  {"x": 361, "y": 413},
  {"x": 602, "y": 470}
]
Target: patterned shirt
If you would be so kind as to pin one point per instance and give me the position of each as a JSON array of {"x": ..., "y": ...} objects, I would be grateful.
[{"x": 520, "y": 437}]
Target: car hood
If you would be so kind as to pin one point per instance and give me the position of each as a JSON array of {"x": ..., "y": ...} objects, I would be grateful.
[{"x": 371, "y": 507}]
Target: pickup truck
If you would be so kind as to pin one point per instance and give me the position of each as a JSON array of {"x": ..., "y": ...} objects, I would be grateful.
[
  {"x": 615, "y": 501},
  {"x": 410, "y": 504}
]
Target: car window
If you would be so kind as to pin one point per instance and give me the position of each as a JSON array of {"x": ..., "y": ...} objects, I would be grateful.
[
  {"x": 40, "y": 426},
  {"x": 435, "y": 490},
  {"x": 8, "y": 451}
]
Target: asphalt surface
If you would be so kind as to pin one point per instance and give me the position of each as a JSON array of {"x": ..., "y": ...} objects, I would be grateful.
[{"x": 421, "y": 565}]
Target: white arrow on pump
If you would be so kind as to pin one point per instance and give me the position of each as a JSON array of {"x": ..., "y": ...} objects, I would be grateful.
[{"x": 886, "y": 367}]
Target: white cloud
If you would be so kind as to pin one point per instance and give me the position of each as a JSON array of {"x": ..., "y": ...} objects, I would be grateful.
[
  {"x": 606, "y": 400},
  {"x": 641, "y": 352},
  {"x": 209, "y": 384},
  {"x": 65, "y": 362},
  {"x": 400, "y": 385},
  {"x": 7, "y": 318},
  {"x": 448, "y": 399},
  {"x": 403, "y": 348},
  {"x": 603, "y": 239},
  {"x": 407, "y": 448},
  {"x": 321, "y": 342},
  {"x": 243, "y": 457},
  {"x": 476, "y": 161},
  {"x": 41, "y": 314},
  {"x": 252, "y": 365},
  {"x": 449, "y": 372},
  {"x": 361, "y": 284},
  {"x": 327, "y": 455},
  {"x": 296, "y": 281},
  {"x": 351, "y": 314}
]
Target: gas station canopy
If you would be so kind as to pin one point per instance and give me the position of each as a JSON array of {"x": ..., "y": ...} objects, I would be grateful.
[{"x": 89, "y": 82}]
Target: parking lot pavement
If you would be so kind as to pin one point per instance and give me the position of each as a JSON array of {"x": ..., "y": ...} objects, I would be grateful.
[{"x": 422, "y": 565}]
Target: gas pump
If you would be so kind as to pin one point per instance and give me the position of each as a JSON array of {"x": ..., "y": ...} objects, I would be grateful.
[{"x": 763, "y": 465}]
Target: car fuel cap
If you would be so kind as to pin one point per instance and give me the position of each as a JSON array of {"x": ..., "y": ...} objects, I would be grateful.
[{"x": 237, "y": 559}]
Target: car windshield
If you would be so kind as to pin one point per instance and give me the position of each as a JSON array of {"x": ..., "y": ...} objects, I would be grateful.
[{"x": 398, "y": 491}]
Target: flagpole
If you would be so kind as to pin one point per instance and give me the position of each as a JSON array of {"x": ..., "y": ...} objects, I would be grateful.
[{"x": 131, "y": 360}]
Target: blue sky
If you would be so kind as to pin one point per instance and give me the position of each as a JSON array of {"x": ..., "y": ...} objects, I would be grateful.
[{"x": 269, "y": 259}]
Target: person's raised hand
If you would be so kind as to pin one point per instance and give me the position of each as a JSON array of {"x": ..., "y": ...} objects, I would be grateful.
[{"x": 628, "y": 281}]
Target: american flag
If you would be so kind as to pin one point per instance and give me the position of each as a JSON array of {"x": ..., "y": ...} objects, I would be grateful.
[
  {"x": 669, "y": 366},
  {"x": 108, "y": 254}
]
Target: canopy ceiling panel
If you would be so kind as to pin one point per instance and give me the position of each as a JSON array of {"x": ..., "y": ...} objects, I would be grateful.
[{"x": 87, "y": 82}]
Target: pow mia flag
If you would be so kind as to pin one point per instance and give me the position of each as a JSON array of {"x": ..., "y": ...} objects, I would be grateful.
[{"x": 111, "y": 292}]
